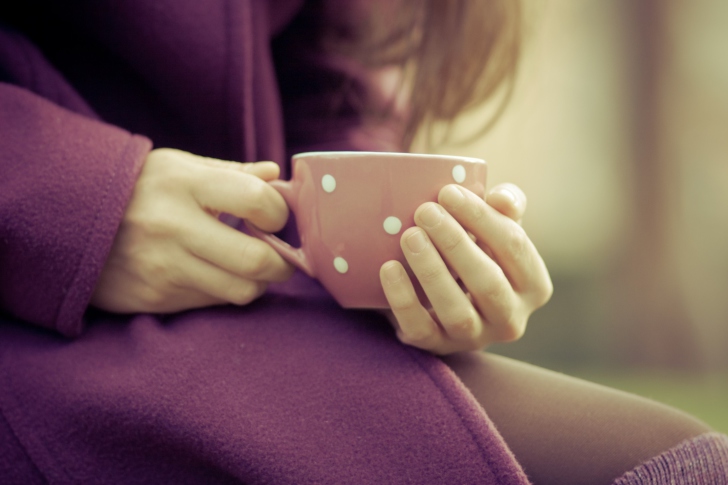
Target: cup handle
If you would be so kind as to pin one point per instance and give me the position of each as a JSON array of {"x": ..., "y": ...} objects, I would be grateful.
[{"x": 295, "y": 256}]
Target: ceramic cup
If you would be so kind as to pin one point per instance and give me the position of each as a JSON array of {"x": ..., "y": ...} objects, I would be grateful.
[{"x": 351, "y": 209}]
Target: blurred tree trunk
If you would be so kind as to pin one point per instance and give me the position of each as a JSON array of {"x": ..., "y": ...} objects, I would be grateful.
[{"x": 665, "y": 317}]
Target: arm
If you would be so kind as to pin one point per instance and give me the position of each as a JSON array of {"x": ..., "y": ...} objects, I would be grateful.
[
  {"x": 64, "y": 182},
  {"x": 89, "y": 214},
  {"x": 65, "y": 178}
]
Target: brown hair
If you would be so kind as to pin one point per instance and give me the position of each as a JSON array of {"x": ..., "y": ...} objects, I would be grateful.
[{"x": 456, "y": 54}]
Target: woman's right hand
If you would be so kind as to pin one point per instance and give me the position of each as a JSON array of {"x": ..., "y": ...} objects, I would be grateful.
[{"x": 171, "y": 252}]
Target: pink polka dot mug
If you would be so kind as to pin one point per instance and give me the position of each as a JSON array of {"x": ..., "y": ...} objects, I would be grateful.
[{"x": 351, "y": 209}]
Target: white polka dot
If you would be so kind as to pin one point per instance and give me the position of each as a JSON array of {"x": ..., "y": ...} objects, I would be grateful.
[
  {"x": 328, "y": 182},
  {"x": 392, "y": 225},
  {"x": 458, "y": 173},
  {"x": 341, "y": 265}
]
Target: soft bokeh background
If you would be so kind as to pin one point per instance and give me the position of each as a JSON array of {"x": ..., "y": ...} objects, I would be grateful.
[{"x": 618, "y": 133}]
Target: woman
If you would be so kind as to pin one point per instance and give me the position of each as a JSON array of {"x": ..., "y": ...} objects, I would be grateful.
[{"x": 157, "y": 381}]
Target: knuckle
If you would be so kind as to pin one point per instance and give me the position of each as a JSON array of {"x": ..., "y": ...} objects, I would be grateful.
[
  {"x": 511, "y": 330},
  {"x": 164, "y": 274},
  {"x": 463, "y": 327},
  {"x": 244, "y": 294},
  {"x": 514, "y": 334},
  {"x": 283, "y": 274},
  {"x": 154, "y": 269},
  {"x": 452, "y": 242},
  {"x": 401, "y": 302},
  {"x": 255, "y": 197},
  {"x": 475, "y": 211},
  {"x": 254, "y": 260},
  {"x": 177, "y": 278},
  {"x": 539, "y": 293},
  {"x": 493, "y": 289},
  {"x": 421, "y": 338},
  {"x": 139, "y": 222},
  {"x": 152, "y": 299},
  {"x": 430, "y": 273},
  {"x": 152, "y": 224},
  {"x": 518, "y": 244},
  {"x": 161, "y": 278},
  {"x": 544, "y": 293},
  {"x": 401, "y": 297}
]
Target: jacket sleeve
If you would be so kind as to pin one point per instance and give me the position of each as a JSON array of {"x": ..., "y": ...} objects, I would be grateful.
[{"x": 65, "y": 179}]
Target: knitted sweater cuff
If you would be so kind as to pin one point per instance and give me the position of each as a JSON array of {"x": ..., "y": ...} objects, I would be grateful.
[{"x": 700, "y": 461}]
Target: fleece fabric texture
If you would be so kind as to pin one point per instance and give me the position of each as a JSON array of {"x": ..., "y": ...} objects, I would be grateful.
[
  {"x": 290, "y": 389},
  {"x": 700, "y": 461}
]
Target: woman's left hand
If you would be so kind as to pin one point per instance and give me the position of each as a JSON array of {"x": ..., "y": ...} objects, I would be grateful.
[{"x": 500, "y": 279}]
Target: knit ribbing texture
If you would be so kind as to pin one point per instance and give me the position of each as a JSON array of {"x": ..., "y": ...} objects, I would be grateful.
[{"x": 700, "y": 461}]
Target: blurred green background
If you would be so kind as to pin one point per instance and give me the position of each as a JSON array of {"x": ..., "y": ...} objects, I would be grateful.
[
  {"x": 571, "y": 335},
  {"x": 617, "y": 134}
]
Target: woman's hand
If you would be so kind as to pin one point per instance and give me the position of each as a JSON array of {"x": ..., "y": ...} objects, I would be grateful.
[
  {"x": 171, "y": 252},
  {"x": 501, "y": 279}
]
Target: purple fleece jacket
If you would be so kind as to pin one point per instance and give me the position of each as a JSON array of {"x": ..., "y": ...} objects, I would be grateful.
[{"x": 289, "y": 389}]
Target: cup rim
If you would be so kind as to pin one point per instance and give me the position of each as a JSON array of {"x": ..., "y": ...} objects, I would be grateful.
[{"x": 354, "y": 154}]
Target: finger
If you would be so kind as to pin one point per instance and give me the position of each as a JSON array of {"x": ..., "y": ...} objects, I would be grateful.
[
  {"x": 459, "y": 319},
  {"x": 509, "y": 200},
  {"x": 182, "y": 299},
  {"x": 135, "y": 295},
  {"x": 242, "y": 195},
  {"x": 415, "y": 326},
  {"x": 236, "y": 252},
  {"x": 512, "y": 249},
  {"x": 265, "y": 170},
  {"x": 483, "y": 278},
  {"x": 218, "y": 284}
]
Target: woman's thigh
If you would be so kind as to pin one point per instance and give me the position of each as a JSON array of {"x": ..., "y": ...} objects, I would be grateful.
[{"x": 565, "y": 430}]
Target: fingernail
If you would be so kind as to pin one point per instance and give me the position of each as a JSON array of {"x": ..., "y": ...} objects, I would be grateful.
[
  {"x": 511, "y": 196},
  {"x": 430, "y": 215},
  {"x": 416, "y": 241},
  {"x": 451, "y": 196},
  {"x": 392, "y": 272}
]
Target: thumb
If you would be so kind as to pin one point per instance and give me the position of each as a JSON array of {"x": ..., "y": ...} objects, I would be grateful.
[{"x": 508, "y": 199}]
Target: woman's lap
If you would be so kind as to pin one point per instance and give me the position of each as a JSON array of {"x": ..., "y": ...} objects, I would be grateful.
[
  {"x": 158, "y": 376},
  {"x": 287, "y": 390}
]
